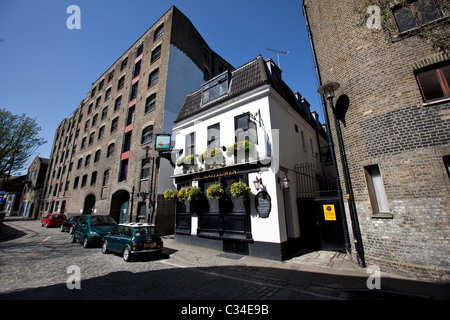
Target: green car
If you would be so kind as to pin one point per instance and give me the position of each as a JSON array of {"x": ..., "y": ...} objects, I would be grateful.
[
  {"x": 91, "y": 229},
  {"x": 130, "y": 239}
]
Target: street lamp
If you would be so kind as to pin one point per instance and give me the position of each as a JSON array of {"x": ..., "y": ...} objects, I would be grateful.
[{"x": 328, "y": 89}]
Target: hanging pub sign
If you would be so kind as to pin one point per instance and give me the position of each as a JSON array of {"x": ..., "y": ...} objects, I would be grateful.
[
  {"x": 263, "y": 204},
  {"x": 162, "y": 142}
]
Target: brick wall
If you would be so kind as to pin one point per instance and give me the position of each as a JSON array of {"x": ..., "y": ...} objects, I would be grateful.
[{"x": 388, "y": 124}]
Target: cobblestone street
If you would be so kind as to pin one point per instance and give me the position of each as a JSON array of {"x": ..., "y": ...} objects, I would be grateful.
[{"x": 34, "y": 265}]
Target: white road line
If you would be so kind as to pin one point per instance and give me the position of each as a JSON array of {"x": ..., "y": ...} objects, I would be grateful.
[{"x": 46, "y": 239}]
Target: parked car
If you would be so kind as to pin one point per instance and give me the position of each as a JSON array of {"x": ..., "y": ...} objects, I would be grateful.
[
  {"x": 90, "y": 229},
  {"x": 131, "y": 239},
  {"x": 53, "y": 220},
  {"x": 69, "y": 223}
]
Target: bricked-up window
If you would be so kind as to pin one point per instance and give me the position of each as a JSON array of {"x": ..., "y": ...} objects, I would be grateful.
[
  {"x": 416, "y": 13},
  {"x": 376, "y": 190},
  {"x": 434, "y": 82}
]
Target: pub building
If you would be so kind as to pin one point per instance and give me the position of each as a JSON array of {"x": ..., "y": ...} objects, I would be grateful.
[{"x": 237, "y": 141}]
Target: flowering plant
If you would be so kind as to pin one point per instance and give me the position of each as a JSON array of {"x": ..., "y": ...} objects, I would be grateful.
[
  {"x": 213, "y": 154},
  {"x": 240, "y": 190},
  {"x": 193, "y": 193},
  {"x": 215, "y": 191},
  {"x": 240, "y": 145},
  {"x": 170, "y": 194},
  {"x": 188, "y": 160},
  {"x": 182, "y": 194}
]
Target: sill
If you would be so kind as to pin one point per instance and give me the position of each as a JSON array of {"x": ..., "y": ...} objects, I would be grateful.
[
  {"x": 382, "y": 215},
  {"x": 430, "y": 103}
]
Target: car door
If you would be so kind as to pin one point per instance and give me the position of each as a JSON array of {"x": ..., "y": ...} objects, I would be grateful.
[
  {"x": 81, "y": 228},
  {"x": 124, "y": 238},
  {"x": 113, "y": 239}
]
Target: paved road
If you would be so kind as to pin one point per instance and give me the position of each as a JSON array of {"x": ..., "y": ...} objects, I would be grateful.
[{"x": 35, "y": 265}]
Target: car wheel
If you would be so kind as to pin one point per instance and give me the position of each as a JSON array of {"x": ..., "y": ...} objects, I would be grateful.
[
  {"x": 105, "y": 247},
  {"x": 85, "y": 242},
  {"x": 126, "y": 254},
  {"x": 72, "y": 238}
]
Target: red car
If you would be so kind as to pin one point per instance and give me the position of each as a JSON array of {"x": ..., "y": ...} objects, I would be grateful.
[{"x": 53, "y": 220}]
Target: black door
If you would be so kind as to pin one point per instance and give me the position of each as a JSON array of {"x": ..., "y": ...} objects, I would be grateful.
[
  {"x": 330, "y": 224},
  {"x": 309, "y": 226}
]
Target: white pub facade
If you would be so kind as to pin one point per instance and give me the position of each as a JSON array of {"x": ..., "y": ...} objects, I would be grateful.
[{"x": 238, "y": 140}]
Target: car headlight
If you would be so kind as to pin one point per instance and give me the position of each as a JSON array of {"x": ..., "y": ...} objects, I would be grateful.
[{"x": 94, "y": 234}]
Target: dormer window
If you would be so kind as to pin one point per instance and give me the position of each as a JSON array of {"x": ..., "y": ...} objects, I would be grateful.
[{"x": 215, "y": 88}]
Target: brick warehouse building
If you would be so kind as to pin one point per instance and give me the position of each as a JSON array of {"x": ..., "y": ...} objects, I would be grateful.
[
  {"x": 104, "y": 154},
  {"x": 392, "y": 63}
]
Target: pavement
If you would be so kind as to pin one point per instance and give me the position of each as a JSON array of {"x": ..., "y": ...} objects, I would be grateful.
[{"x": 324, "y": 271}]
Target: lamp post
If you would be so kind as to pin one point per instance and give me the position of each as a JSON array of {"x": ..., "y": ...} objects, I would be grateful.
[{"x": 328, "y": 89}]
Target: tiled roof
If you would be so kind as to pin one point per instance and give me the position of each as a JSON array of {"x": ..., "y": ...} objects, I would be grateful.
[{"x": 245, "y": 78}]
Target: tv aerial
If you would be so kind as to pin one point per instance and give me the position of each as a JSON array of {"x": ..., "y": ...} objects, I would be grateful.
[{"x": 278, "y": 54}]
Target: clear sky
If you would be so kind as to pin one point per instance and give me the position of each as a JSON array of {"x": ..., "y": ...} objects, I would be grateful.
[{"x": 46, "y": 69}]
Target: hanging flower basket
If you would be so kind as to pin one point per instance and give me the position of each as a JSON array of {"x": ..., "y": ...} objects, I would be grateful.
[
  {"x": 193, "y": 194},
  {"x": 182, "y": 194},
  {"x": 215, "y": 191},
  {"x": 240, "y": 190},
  {"x": 170, "y": 194}
]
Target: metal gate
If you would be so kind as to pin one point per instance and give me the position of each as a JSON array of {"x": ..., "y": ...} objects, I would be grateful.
[{"x": 319, "y": 212}]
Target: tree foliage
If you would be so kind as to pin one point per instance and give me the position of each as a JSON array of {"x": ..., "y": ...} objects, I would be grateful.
[{"x": 18, "y": 141}]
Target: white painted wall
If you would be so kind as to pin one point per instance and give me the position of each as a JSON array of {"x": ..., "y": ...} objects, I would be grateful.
[{"x": 276, "y": 137}]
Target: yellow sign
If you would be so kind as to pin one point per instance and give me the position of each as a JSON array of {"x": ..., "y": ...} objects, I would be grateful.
[{"x": 328, "y": 211}]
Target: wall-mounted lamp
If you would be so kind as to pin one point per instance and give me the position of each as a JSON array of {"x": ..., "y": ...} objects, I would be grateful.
[
  {"x": 257, "y": 183},
  {"x": 286, "y": 182}
]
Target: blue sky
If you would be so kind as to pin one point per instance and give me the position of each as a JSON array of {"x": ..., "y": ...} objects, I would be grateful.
[{"x": 46, "y": 69}]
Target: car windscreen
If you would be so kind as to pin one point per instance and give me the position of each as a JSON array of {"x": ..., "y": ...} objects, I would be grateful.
[
  {"x": 102, "y": 220},
  {"x": 145, "y": 231}
]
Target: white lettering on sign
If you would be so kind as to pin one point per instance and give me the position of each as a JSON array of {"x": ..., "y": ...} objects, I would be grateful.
[{"x": 374, "y": 20}]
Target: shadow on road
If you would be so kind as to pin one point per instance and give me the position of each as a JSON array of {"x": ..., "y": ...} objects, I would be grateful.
[{"x": 230, "y": 283}]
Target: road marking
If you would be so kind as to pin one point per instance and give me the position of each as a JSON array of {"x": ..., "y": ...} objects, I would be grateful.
[{"x": 46, "y": 239}]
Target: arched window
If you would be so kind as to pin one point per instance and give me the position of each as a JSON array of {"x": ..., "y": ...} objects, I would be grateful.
[{"x": 147, "y": 135}]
